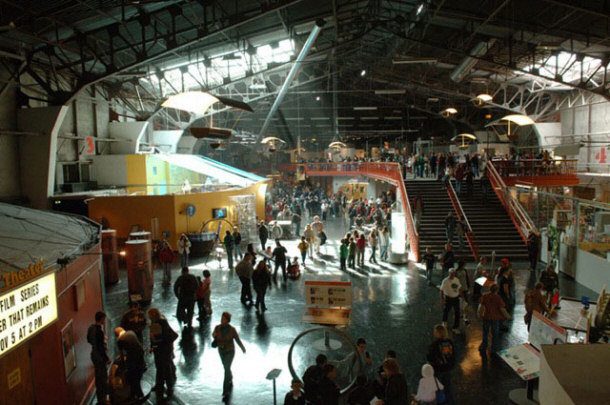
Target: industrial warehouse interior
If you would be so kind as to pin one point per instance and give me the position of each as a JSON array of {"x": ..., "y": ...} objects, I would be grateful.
[{"x": 324, "y": 202}]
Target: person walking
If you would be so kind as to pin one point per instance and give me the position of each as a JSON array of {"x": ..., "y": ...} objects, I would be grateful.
[
  {"x": 204, "y": 305},
  {"x": 428, "y": 386},
  {"x": 533, "y": 248},
  {"x": 429, "y": 259},
  {"x": 166, "y": 258},
  {"x": 296, "y": 221},
  {"x": 447, "y": 259},
  {"x": 185, "y": 289},
  {"x": 237, "y": 244},
  {"x": 374, "y": 243},
  {"x": 550, "y": 281},
  {"x": 229, "y": 243},
  {"x": 450, "y": 224},
  {"x": 384, "y": 242},
  {"x": 361, "y": 244},
  {"x": 492, "y": 310},
  {"x": 263, "y": 234},
  {"x": 343, "y": 254},
  {"x": 279, "y": 254},
  {"x": 99, "y": 356},
  {"x": 303, "y": 247},
  {"x": 461, "y": 229},
  {"x": 261, "y": 279},
  {"x": 351, "y": 253},
  {"x": 450, "y": 299},
  {"x": 162, "y": 338},
  {"x": 534, "y": 301},
  {"x": 224, "y": 337},
  {"x": 441, "y": 356},
  {"x": 244, "y": 271},
  {"x": 318, "y": 230},
  {"x": 309, "y": 237},
  {"x": 133, "y": 355},
  {"x": 184, "y": 248}
]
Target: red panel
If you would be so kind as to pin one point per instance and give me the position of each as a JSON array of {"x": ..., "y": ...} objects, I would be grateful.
[{"x": 549, "y": 180}]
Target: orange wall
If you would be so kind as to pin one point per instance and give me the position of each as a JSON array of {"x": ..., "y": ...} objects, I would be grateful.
[{"x": 124, "y": 211}]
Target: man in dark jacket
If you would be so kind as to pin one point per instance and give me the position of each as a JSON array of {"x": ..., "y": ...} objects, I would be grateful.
[
  {"x": 133, "y": 355},
  {"x": 279, "y": 254},
  {"x": 134, "y": 320},
  {"x": 311, "y": 380},
  {"x": 329, "y": 391},
  {"x": 185, "y": 289},
  {"x": 263, "y": 234},
  {"x": 244, "y": 272},
  {"x": 99, "y": 356},
  {"x": 162, "y": 338},
  {"x": 441, "y": 357}
]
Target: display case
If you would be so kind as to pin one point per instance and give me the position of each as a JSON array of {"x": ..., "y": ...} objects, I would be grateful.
[{"x": 242, "y": 213}]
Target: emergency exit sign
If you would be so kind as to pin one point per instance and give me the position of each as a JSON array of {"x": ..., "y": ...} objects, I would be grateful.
[{"x": 26, "y": 310}]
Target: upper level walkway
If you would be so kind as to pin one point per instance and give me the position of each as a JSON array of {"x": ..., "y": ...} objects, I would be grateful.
[{"x": 538, "y": 172}]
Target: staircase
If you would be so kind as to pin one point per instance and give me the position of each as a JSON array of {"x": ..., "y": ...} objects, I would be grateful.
[
  {"x": 492, "y": 225},
  {"x": 436, "y": 206}
]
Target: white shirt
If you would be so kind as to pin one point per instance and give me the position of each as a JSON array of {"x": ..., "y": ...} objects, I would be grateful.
[{"x": 451, "y": 287}]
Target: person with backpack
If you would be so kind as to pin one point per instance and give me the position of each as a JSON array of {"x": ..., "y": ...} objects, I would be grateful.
[
  {"x": 99, "y": 356},
  {"x": 162, "y": 338},
  {"x": 441, "y": 356}
]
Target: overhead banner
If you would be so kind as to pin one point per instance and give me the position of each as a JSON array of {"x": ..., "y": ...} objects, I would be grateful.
[{"x": 26, "y": 310}]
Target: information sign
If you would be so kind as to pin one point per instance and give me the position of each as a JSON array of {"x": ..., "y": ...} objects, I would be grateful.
[
  {"x": 26, "y": 310},
  {"x": 328, "y": 293},
  {"x": 524, "y": 360},
  {"x": 545, "y": 332},
  {"x": 327, "y": 316}
]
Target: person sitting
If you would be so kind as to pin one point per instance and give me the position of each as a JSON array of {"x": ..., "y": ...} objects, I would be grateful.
[{"x": 294, "y": 270}]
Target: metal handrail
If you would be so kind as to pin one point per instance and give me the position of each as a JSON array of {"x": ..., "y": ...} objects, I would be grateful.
[
  {"x": 457, "y": 206},
  {"x": 517, "y": 213}
]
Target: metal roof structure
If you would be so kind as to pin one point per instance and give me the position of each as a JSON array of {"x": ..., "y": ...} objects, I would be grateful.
[
  {"x": 379, "y": 68},
  {"x": 29, "y": 236}
]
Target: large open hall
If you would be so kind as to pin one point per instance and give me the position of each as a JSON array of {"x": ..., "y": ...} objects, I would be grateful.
[{"x": 304, "y": 202}]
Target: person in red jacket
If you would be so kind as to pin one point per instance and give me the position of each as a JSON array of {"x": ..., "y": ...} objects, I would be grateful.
[{"x": 166, "y": 257}]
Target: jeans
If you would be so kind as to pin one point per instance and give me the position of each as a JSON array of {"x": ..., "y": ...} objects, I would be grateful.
[
  {"x": 429, "y": 274},
  {"x": 226, "y": 357},
  {"x": 167, "y": 273},
  {"x": 303, "y": 256},
  {"x": 297, "y": 229},
  {"x": 360, "y": 257},
  {"x": 246, "y": 292},
  {"x": 165, "y": 371},
  {"x": 260, "y": 299},
  {"x": 444, "y": 377},
  {"x": 184, "y": 260},
  {"x": 278, "y": 264},
  {"x": 263, "y": 243},
  {"x": 384, "y": 252},
  {"x": 238, "y": 253},
  {"x": 101, "y": 378},
  {"x": 452, "y": 303},
  {"x": 458, "y": 187},
  {"x": 351, "y": 261},
  {"x": 373, "y": 259},
  {"x": 230, "y": 257},
  {"x": 185, "y": 310},
  {"x": 449, "y": 232},
  {"x": 494, "y": 327},
  {"x": 342, "y": 262}
]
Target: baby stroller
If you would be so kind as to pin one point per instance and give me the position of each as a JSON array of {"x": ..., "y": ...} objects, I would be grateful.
[{"x": 294, "y": 269}]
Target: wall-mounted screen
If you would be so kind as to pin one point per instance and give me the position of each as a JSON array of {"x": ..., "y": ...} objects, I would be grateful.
[{"x": 218, "y": 213}]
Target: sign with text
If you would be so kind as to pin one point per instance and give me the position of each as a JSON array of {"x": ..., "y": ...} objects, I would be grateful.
[
  {"x": 545, "y": 332},
  {"x": 327, "y": 316},
  {"x": 524, "y": 360},
  {"x": 26, "y": 310},
  {"x": 328, "y": 293}
]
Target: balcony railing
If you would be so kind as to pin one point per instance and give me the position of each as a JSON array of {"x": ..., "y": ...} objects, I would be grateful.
[
  {"x": 535, "y": 167},
  {"x": 461, "y": 215},
  {"x": 515, "y": 210},
  {"x": 386, "y": 171}
]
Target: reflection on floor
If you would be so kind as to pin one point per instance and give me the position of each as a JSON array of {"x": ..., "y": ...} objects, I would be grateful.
[{"x": 394, "y": 308}]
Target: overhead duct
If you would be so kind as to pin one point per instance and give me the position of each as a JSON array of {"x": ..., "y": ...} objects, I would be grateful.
[
  {"x": 291, "y": 75},
  {"x": 469, "y": 62}
]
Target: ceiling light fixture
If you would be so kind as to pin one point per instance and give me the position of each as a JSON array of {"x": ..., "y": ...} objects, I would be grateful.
[
  {"x": 317, "y": 98},
  {"x": 363, "y": 73},
  {"x": 365, "y": 108},
  {"x": 410, "y": 61},
  {"x": 391, "y": 91},
  {"x": 449, "y": 111},
  {"x": 481, "y": 99}
]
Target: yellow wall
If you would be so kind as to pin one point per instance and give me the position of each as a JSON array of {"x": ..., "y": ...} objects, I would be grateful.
[
  {"x": 124, "y": 211},
  {"x": 136, "y": 172}
]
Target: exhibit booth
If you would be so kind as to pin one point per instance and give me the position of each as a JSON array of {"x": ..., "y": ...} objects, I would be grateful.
[{"x": 50, "y": 264}]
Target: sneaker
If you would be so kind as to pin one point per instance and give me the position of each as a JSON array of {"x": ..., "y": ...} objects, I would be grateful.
[{"x": 457, "y": 331}]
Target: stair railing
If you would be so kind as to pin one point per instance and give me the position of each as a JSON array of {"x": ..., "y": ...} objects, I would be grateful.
[
  {"x": 513, "y": 207},
  {"x": 459, "y": 210}
]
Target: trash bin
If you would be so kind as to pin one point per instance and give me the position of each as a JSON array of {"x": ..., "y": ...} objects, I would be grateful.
[
  {"x": 139, "y": 270},
  {"x": 110, "y": 256}
]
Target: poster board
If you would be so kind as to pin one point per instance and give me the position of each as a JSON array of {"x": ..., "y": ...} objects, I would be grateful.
[
  {"x": 523, "y": 359},
  {"x": 545, "y": 332},
  {"x": 328, "y": 293}
]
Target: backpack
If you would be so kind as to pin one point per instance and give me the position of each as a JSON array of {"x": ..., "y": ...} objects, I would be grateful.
[{"x": 91, "y": 335}]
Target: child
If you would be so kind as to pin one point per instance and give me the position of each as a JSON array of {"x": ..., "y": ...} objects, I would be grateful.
[
  {"x": 303, "y": 246},
  {"x": 203, "y": 296},
  {"x": 343, "y": 253},
  {"x": 351, "y": 253},
  {"x": 428, "y": 385},
  {"x": 294, "y": 271}
]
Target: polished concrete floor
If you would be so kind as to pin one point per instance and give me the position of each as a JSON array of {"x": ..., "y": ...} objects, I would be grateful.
[{"x": 393, "y": 308}]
